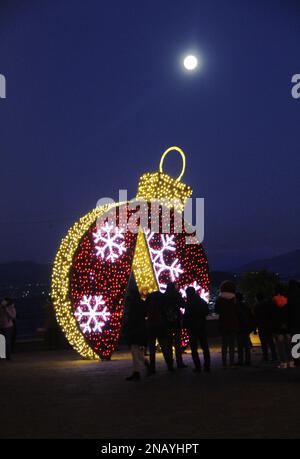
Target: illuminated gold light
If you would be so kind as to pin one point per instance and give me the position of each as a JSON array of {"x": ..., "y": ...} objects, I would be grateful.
[
  {"x": 60, "y": 282},
  {"x": 168, "y": 150},
  {"x": 170, "y": 192},
  {"x": 142, "y": 267}
]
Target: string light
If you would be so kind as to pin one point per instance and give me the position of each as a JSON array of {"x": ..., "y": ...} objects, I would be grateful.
[
  {"x": 166, "y": 244},
  {"x": 79, "y": 271},
  {"x": 93, "y": 265},
  {"x": 171, "y": 258},
  {"x": 92, "y": 313},
  {"x": 109, "y": 242},
  {"x": 170, "y": 192},
  {"x": 142, "y": 266}
]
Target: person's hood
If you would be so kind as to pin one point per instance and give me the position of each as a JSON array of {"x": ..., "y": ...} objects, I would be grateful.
[
  {"x": 280, "y": 300},
  {"x": 227, "y": 295}
]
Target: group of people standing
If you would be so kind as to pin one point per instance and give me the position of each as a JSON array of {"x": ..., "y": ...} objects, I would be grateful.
[
  {"x": 276, "y": 319},
  {"x": 158, "y": 319},
  {"x": 236, "y": 322}
]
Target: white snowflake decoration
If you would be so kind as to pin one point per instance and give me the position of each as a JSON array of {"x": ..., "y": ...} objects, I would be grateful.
[
  {"x": 157, "y": 258},
  {"x": 92, "y": 314},
  {"x": 204, "y": 294},
  {"x": 109, "y": 242}
]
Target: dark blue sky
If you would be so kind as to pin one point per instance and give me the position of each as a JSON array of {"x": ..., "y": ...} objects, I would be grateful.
[{"x": 95, "y": 93}]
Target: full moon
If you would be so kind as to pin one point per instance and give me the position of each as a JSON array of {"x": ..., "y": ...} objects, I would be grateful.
[{"x": 190, "y": 62}]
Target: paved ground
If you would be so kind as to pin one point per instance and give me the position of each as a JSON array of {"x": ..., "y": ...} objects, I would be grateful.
[{"x": 56, "y": 395}]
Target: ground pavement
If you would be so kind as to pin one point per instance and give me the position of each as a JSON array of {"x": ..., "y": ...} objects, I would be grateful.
[{"x": 58, "y": 395}]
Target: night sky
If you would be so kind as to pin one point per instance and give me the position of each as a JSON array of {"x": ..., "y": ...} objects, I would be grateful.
[{"x": 96, "y": 92}]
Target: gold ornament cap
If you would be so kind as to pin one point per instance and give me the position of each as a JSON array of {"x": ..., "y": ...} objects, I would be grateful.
[{"x": 160, "y": 186}]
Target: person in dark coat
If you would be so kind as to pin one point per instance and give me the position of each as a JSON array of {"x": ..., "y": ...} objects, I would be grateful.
[
  {"x": 262, "y": 316},
  {"x": 196, "y": 311},
  {"x": 227, "y": 308},
  {"x": 173, "y": 303},
  {"x": 157, "y": 330},
  {"x": 136, "y": 333},
  {"x": 294, "y": 306},
  {"x": 246, "y": 326},
  {"x": 280, "y": 317}
]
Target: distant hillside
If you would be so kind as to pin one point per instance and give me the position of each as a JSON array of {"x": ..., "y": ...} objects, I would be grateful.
[
  {"x": 287, "y": 264},
  {"x": 24, "y": 272}
]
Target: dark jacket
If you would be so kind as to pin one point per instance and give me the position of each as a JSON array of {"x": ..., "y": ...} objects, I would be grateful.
[
  {"x": 155, "y": 319},
  {"x": 262, "y": 316},
  {"x": 173, "y": 302},
  {"x": 135, "y": 328},
  {"x": 294, "y": 307},
  {"x": 246, "y": 318},
  {"x": 228, "y": 310},
  {"x": 196, "y": 311},
  {"x": 280, "y": 318}
]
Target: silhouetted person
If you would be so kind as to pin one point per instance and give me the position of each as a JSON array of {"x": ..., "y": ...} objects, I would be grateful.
[
  {"x": 227, "y": 308},
  {"x": 246, "y": 326},
  {"x": 281, "y": 329},
  {"x": 196, "y": 311},
  {"x": 7, "y": 316},
  {"x": 157, "y": 330},
  {"x": 136, "y": 333},
  {"x": 262, "y": 315},
  {"x": 294, "y": 306},
  {"x": 173, "y": 302}
]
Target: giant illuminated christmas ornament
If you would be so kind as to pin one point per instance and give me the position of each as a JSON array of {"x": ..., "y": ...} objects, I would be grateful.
[{"x": 95, "y": 260}]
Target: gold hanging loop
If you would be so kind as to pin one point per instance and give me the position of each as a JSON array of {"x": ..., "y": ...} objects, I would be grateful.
[{"x": 163, "y": 158}]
